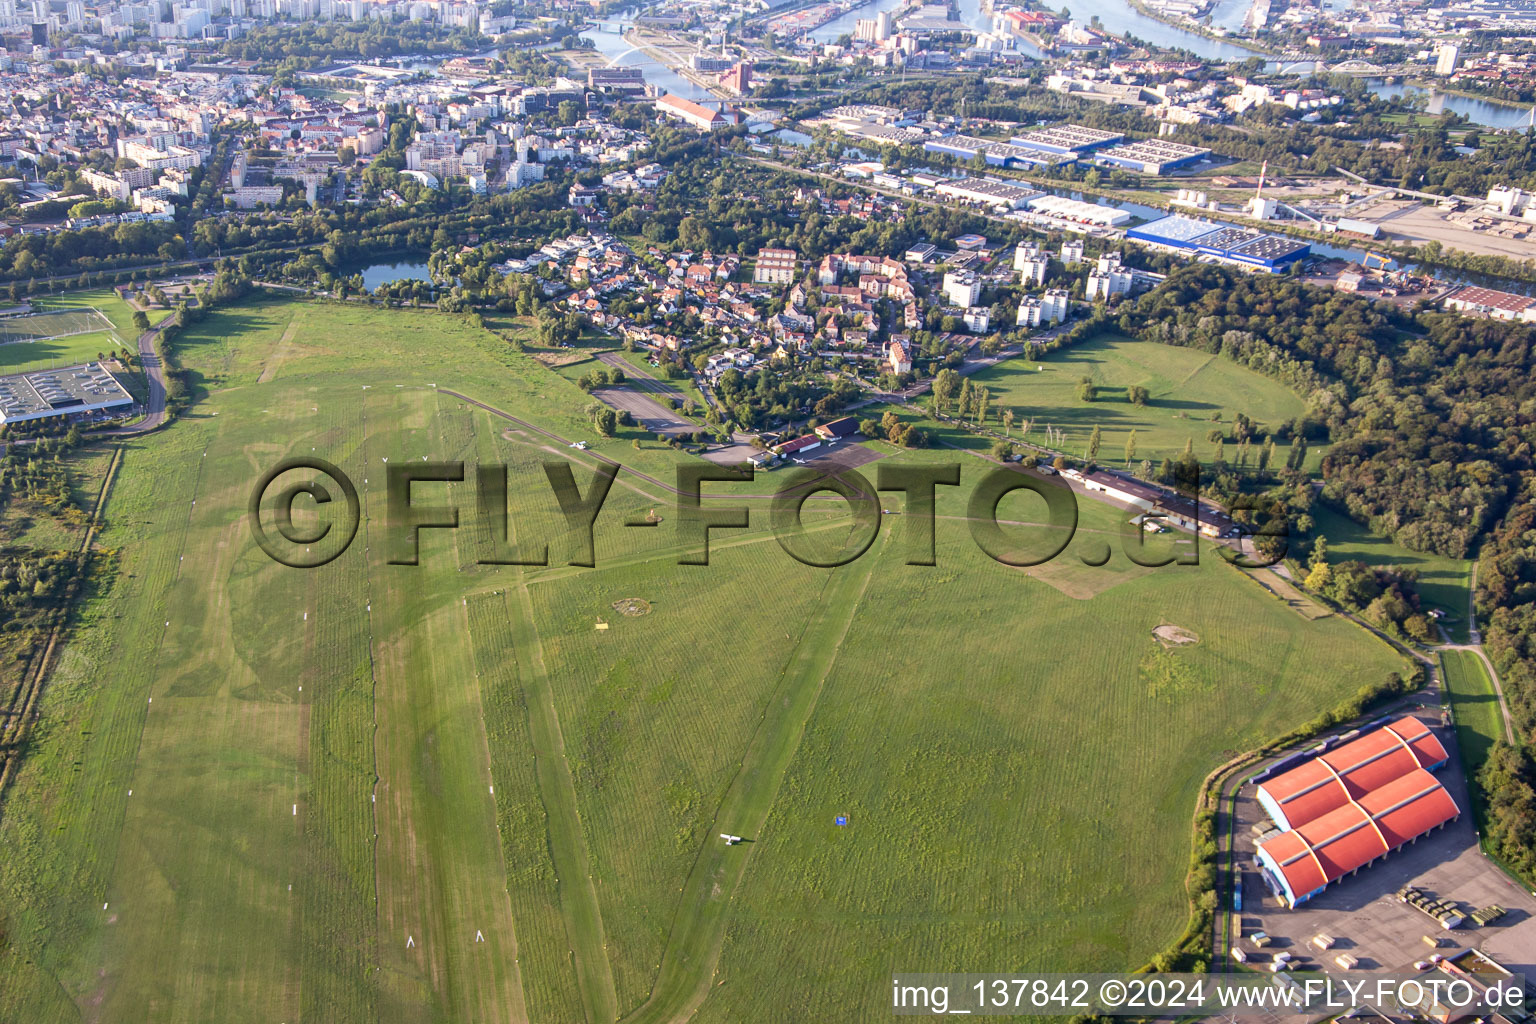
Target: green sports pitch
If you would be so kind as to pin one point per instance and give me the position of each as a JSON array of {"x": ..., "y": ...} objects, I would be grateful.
[
  {"x": 467, "y": 792},
  {"x": 48, "y": 326}
]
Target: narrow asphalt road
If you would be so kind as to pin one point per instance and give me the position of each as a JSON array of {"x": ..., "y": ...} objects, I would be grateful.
[{"x": 154, "y": 373}]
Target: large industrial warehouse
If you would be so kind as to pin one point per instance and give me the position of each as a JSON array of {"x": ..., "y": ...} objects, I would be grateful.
[
  {"x": 67, "y": 392},
  {"x": 1076, "y": 211},
  {"x": 1152, "y": 156},
  {"x": 1346, "y": 808},
  {"x": 998, "y": 194},
  {"x": 1223, "y": 242},
  {"x": 997, "y": 154},
  {"x": 1067, "y": 139}
]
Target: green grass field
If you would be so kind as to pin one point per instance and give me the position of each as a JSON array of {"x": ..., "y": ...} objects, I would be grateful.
[
  {"x": 1443, "y": 582},
  {"x": 55, "y": 324},
  {"x": 74, "y": 314},
  {"x": 57, "y": 337},
  {"x": 105, "y": 301},
  {"x": 1186, "y": 388},
  {"x": 466, "y": 792},
  {"x": 1479, "y": 724}
]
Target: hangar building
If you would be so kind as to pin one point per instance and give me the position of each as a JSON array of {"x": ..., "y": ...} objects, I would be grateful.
[{"x": 1348, "y": 807}]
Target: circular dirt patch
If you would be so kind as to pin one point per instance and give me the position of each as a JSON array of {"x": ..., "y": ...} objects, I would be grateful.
[
  {"x": 634, "y": 607},
  {"x": 1174, "y": 636}
]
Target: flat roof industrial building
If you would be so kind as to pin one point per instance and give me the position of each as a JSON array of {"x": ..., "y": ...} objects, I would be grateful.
[
  {"x": 1152, "y": 156},
  {"x": 990, "y": 193},
  {"x": 1077, "y": 211},
  {"x": 1224, "y": 242},
  {"x": 1067, "y": 138},
  {"x": 1346, "y": 808},
  {"x": 876, "y": 132},
  {"x": 66, "y": 392},
  {"x": 998, "y": 154}
]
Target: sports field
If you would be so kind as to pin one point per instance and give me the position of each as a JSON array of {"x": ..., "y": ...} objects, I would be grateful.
[
  {"x": 1186, "y": 388},
  {"x": 58, "y": 338},
  {"x": 461, "y": 792},
  {"x": 66, "y": 329},
  {"x": 51, "y": 325}
]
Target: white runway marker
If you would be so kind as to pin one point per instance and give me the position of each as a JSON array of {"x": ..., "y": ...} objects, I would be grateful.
[
  {"x": 103, "y": 906},
  {"x": 295, "y": 810},
  {"x": 410, "y": 943},
  {"x": 478, "y": 936}
]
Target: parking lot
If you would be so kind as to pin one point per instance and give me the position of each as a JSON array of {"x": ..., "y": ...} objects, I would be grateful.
[
  {"x": 1362, "y": 914},
  {"x": 646, "y": 410}
]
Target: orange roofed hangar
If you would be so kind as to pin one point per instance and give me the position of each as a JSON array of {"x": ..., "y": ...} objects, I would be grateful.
[{"x": 1348, "y": 807}]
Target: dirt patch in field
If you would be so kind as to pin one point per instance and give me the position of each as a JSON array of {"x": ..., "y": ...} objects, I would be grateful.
[
  {"x": 634, "y": 607},
  {"x": 554, "y": 358},
  {"x": 1174, "y": 636}
]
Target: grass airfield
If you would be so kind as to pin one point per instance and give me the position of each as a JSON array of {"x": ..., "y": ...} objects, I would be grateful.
[{"x": 443, "y": 793}]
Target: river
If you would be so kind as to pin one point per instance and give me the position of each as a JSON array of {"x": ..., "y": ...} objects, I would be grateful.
[
  {"x": 609, "y": 40},
  {"x": 838, "y": 27},
  {"x": 1115, "y": 15}
]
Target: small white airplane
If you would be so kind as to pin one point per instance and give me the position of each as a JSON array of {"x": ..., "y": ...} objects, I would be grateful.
[{"x": 730, "y": 840}]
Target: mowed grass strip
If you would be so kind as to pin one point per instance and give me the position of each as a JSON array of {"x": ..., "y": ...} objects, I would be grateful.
[
  {"x": 247, "y": 814},
  {"x": 545, "y": 961},
  {"x": 649, "y": 769},
  {"x": 1474, "y": 705},
  {"x": 446, "y": 938},
  {"x": 64, "y": 813},
  {"x": 703, "y": 912}
]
